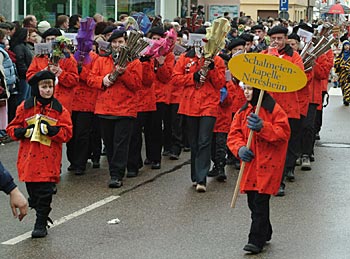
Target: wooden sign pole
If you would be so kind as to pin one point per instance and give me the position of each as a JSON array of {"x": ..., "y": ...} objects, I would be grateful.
[{"x": 250, "y": 137}]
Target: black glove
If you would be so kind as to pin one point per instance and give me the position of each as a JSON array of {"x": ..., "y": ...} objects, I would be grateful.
[
  {"x": 22, "y": 133},
  {"x": 245, "y": 154},
  {"x": 196, "y": 76},
  {"x": 211, "y": 66},
  {"x": 48, "y": 130},
  {"x": 145, "y": 58},
  {"x": 255, "y": 122}
]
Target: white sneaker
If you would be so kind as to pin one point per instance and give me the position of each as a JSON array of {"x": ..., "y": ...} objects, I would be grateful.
[{"x": 201, "y": 188}]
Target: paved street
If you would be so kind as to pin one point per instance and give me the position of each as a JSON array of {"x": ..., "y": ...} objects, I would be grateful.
[{"x": 161, "y": 215}]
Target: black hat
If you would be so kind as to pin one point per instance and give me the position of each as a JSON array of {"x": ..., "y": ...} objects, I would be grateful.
[
  {"x": 201, "y": 30},
  {"x": 294, "y": 36},
  {"x": 117, "y": 34},
  {"x": 246, "y": 36},
  {"x": 277, "y": 29},
  {"x": 108, "y": 29},
  {"x": 41, "y": 75},
  {"x": 157, "y": 30},
  {"x": 236, "y": 42},
  {"x": 303, "y": 26},
  {"x": 257, "y": 27},
  {"x": 52, "y": 32}
]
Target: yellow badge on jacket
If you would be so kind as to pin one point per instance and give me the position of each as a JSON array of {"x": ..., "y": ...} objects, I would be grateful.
[{"x": 267, "y": 72}]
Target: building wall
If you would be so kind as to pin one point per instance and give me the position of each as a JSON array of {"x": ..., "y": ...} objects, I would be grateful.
[{"x": 297, "y": 8}]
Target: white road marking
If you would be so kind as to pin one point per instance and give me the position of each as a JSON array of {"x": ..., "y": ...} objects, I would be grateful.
[
  {"x": 335, "y": 91},
  {"x": 62, "y": 220}
]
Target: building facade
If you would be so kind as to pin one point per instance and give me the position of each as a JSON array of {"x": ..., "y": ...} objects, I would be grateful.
[{"x": 50, "y": 9}]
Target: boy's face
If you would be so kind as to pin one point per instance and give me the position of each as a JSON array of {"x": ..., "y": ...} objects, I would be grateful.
[
  {"x": 46, "y": 88},
  {"x": 117, "y": 43},
  {"x": 248, "y": 92},
  {"x": 237, "y": 48}
]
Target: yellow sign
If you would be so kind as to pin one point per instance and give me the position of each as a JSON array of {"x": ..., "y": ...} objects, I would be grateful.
[
  {"x": 37, "y": 136},
  {"x": 267, "y": 72}
]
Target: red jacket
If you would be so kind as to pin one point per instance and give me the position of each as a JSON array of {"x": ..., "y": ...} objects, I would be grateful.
[
  {"x": 120, "y": 98},
  {"x": 145, "y": 95},
  {"x": 322, "y": 69},
  {"x": 85, "y": 96},
  {"x": 304, "y": 93},
  {"x": 67, "y": 80},
  {"x": 264, "y": 172},
  {"x": 202, "y": 101},
  {"x": 224, "y": 118},
  {"x": 37, "y": 162},
  {"x": 289, "y": 101},
  {"x": 162, "y": 85}
]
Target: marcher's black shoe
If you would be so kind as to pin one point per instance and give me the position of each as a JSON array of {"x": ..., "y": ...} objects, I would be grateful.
[
  {"x": 346, "y": 103},
  {"x": 40, "y": 226},
  {"x": 147, "y": 162},
  {"x": 290, "y": 175},
  {"x": 221, "y": 176},
  {"x": 39, "y": 232},
  {"x": 79, "y": 172},
  {"x": 213, "y": 172},
  {"x": 166, "y": 153},
  {"x": 280, "y": 192},
  {"x": 173, "y": 156},
  {"x": 131, "y": 174},
  {"x": 95, "y": 164},
  {"x": 115, "y": 183},
  {"x": 305, "y": 163},
  {"x": 155, "y": 165},
  {"x": 252, "y": 248},
  {"x": 71, "y": 168}
]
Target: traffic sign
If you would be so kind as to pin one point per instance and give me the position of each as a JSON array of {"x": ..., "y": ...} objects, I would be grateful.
[
  {"x": 283, "y": 5},
  {"x": 284, "y": 15}
]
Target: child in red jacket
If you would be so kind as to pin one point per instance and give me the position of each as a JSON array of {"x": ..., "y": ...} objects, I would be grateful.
[
  {"x": 41, "y": 125},
  {"x": 264, "y": 160}
]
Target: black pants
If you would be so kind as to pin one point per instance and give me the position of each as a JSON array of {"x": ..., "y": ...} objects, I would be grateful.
[
  {"x": 200, "y": 131},
  {"x": 219, "y": 149},
  {"x": 293, "y": 143},
  {"x": 116, "y": 134},
  {"x": 143, "y": 121},
  {"x": 308, "y": 128},
  {"x": 40, "y": 196},
  {"x": 95, "y": 139},
  {"x": 176, "y": 129},
  {"x": 260, "y": 229},
  {"x": 78, "y": 148},
  {"x": 166, "y": 126}
]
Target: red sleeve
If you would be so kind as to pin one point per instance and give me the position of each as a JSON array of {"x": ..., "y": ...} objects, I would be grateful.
[
  {"x": 69, "y": 76},
  {"x": 323, "y": 66},
  {"x": 236, "y": 138},
  {"x": 97, "y": 74},
  {"x": 17, "y": 122},
  {"x": 217, "y": 75},
  {"x": 230, "y": 95},
  {"x": 165, "y": 72},
  {"x": 180, "y": 78},
  {"x": 66, "y": 128},
  {"x": 147, "y": 74},
  {"x": 132, "y": 76}
]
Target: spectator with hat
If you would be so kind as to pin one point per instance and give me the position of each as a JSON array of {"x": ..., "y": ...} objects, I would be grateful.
[{"x": 259, "y": 32}]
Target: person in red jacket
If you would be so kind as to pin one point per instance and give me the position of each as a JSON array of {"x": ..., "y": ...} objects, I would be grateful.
[
  {"x": 40, "y": 156},
  {"x": 264, "y": 159},
  {"x": 288, "y": 101},
  {"x": 221, "y": 129},
  {"x": 116, "y": 104},
  {"x": 199, "y": 102},
  {"x": 66, "y": 71}
]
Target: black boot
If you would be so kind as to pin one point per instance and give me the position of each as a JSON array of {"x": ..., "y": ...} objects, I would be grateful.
[
  {"x": 221, "y": 173},
  {"x": 213, "y": 172},
  {"x": 40, "y": 226}
]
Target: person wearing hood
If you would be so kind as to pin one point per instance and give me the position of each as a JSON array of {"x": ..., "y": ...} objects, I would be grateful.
[
  {"x": 264, "y": 159},
  {"x": 41, "y": 125},
  {"x": 24, "y": 58},
  {"x": 342, "y": 66}
]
